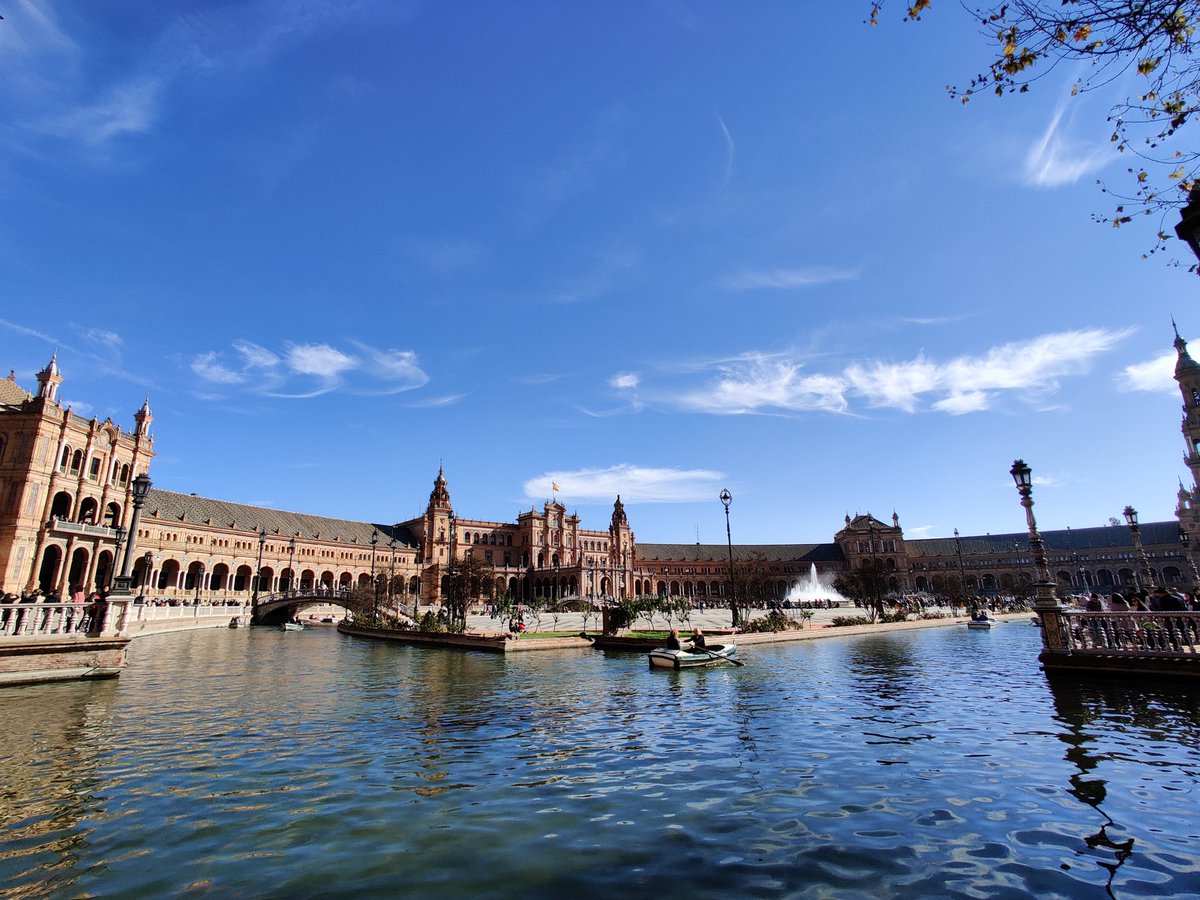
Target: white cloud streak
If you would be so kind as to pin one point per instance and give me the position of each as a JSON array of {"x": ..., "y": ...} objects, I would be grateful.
[
  {"x": 309, "y": 370},
  {"x": 1155, "y": 376},
  {"x": 787, "y": 279},
  {"x": 635, "y": 484},
  {"x": 773, "y": 385},
  {"x": 1053, "y": 160}
]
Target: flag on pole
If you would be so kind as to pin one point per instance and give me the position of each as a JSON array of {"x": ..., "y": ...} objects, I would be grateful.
[{"x": 554, "y": 485}]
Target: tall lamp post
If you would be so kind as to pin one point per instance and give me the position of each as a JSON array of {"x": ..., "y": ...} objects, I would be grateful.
[
  {"x": 962, "y": 575},
  {"x": 726, "y": 499},
  {"x": 262, "y": 542},
  {"x": 292, "y": 565},
  {"x": 120, "y": 539},
  {"x": 1045, "y": 603},
  {"x": 139, "y": 487},
  {"x": 374, "y": 586},
  {"x": 392, "y": 570},
  {"x": 1135, "y": 531}
]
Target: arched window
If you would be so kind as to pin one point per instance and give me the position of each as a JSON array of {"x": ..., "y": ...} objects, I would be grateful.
[
  {"x": 76, "y": 462},
  {"x": 66, "y": 456}
]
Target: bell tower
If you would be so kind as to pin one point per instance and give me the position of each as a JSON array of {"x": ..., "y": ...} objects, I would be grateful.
[
  {"x": 620, "y": 548},
  {"x": 49, "y": 380}
]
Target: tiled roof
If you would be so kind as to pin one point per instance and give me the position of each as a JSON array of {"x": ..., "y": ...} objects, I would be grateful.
[
  {"x": 168, "y": 506},
  {"x": 1153, "y": 534},
  {"x": 12, "y": 394},
  {"x": 741, "y": 552}
]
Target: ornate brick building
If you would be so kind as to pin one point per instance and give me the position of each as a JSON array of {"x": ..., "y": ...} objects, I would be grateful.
[{"x": 66, "y": 486}]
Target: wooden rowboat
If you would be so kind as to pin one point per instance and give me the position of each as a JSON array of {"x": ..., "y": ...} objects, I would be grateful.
[{"x": 689, "y": 658}]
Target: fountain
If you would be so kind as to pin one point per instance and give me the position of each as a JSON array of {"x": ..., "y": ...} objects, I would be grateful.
[{"x": 812, "y": 589}]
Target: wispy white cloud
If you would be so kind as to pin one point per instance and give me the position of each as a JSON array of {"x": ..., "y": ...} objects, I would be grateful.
[
  {"x": 635, "y": 484},
  {"x": 125, "y": 109},
  {"x": 780, "y": 384},
  {"x": 1054, "y": 159},
  {"x": 970, "y": 383},
  {"x": 1155, "y": 375},
  {"x": 787, "y": 278},
  {"x": 624, "y": 381},
  {"x": 305, "y": 370},
  {"x": 60, "y": 93},
  {"x": 756, "y": 383},
  {"x": 207, "y": 367},
  {"x": 729, "y": 149}
]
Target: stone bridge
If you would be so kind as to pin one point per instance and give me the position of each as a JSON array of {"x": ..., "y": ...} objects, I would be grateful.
[{"x": 274, "y": 609}]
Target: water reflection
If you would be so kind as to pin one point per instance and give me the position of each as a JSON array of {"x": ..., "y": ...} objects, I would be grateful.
[{"x": 933, "y": 764}]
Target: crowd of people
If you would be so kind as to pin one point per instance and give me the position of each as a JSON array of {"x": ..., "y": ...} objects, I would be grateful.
[{"x": 1160, "y": 599}]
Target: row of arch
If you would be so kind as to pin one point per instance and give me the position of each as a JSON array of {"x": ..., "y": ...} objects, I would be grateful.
[
  {"x": 1101, "y": 579},
  {"x": 88, "y": 512}
]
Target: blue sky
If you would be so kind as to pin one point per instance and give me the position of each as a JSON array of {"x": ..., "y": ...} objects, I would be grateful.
[{"x": 656, "y": 249}]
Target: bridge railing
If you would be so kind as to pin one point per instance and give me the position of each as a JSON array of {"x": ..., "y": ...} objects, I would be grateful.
[{"x": 1161, "y": 634}]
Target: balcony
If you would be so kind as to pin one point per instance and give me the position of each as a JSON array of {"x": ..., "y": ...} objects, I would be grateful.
[{"x": 63, "y": 526}]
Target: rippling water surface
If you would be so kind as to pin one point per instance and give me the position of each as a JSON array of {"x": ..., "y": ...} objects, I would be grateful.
[{"x": 937, "y": 763}]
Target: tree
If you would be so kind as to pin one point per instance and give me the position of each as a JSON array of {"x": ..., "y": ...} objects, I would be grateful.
[
  {"x": 471, "y": 581},
  {"x": 867, "y": 585},
  {"x": 1155, "y": 40},
  {"x": 753, "y": 585}
]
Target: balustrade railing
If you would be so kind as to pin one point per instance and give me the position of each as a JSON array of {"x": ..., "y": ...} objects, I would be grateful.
[
  {"x": 1164, "y": 634},
  {"x": 61, "y": 619}
]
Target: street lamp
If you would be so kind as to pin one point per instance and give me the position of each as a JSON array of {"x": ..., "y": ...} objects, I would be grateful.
[
  {"x": 1045, "y": 602},
  {"x": 262, "y": 541},
  {"x": 292, "y": 565},
  {"x": 1131, "y": 519},
  {"x": 139, "y": 488},
  {"x": 1188, "y": 229},
  {"x": 726, "y": 499},
  {"x": 962, "y": 575},
  {"x": 374, "y": 586},
  {"x": 392, "y": 570},
  {"x": 119, "y": 540}
]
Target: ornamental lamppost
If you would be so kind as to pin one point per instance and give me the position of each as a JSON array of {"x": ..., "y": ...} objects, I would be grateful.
[
  {"x": 1135, "y": 531},
  {"x": 391, "y": 570},
  {"x": 962, "y": 575},
  {"x": 139, "y": 488},
  {"x": 292, "y": 565},
  {"x": 262, "y": 542},
  {"x": 1045, "y": 602},
  {"x": 120, "y": 539},
  {"x": 726, "y": 499},
  {"x": 374, "y": 586}
]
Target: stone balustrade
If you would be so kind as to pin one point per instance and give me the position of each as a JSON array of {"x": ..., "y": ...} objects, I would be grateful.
[
  {"x": 41, "y": 620},
  {"x": 1145, "y": 634}
]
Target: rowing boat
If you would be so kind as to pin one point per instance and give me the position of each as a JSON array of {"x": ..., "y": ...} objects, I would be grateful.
[{"x": 690, "y": 658}]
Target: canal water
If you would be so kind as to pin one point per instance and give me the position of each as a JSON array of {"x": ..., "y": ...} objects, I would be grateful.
[{"x": 937, "y": 763}]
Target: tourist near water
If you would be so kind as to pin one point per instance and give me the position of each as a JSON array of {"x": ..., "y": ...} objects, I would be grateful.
[{"x": 939, "y": 762}]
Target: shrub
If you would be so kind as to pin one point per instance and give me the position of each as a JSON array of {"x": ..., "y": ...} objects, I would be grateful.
[
  {"x": 898, "y": 616},
  {"x": 771, "y": 622},
  {"x": 843, "y": 621},
  {"x": 430, "y": 622}
]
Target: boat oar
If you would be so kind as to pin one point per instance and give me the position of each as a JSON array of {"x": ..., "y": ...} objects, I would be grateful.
[{"x": 729, "y": 659}]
